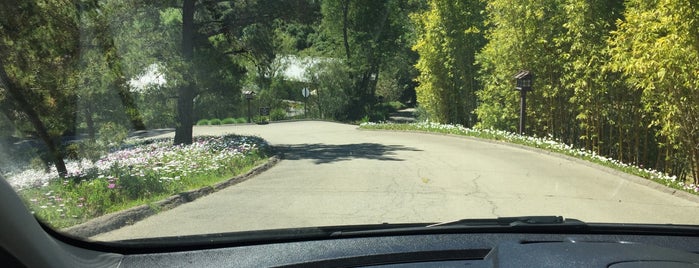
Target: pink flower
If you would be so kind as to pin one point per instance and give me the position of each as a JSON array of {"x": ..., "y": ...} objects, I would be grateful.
[{"x": 111, "y": 186}]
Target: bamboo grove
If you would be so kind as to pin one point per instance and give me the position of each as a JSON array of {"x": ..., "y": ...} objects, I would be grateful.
[{"x": 618, "y": 78}]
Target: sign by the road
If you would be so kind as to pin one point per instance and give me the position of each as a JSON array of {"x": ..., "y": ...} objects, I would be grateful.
[
  {"x": 264, "y": 111},
  {"x": 305, "y": 92}
]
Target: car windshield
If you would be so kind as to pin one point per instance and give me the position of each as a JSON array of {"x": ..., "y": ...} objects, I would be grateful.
[{"x": 128, "y": 119}]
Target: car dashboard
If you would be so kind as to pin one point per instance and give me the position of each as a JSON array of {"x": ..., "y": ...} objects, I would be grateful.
[{"x": 445, "y": 250}]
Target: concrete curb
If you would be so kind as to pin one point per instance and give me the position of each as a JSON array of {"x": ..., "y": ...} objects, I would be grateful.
[
  {"x": 116, "y": 220},
  {"x": 629, "y": 177}
]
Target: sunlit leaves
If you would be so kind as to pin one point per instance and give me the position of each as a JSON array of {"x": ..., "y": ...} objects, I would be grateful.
[
  {"x": 524, "y": 36},
  {"x": 656, "y": 48},
  {"x": 449, "y": 35}
]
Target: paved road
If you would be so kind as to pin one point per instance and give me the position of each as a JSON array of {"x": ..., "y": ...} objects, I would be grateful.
[{"x": 334, "y": 174}]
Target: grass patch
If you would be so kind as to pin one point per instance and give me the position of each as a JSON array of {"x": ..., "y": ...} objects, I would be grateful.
[
  {"x": 545, "y": 143},
  {"x": 139, "y": 174}
]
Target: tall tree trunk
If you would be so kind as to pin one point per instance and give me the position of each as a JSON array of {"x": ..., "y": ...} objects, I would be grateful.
[
  {"x": 16, "y": 94},
  {"x": 345, "y": 25},
  {"x": 185, "y": 98}
]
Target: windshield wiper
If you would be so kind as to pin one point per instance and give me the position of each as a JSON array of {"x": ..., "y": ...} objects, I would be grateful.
[
  {"x": 511, "y": 221},
  {"x": 501, "y": 224}
]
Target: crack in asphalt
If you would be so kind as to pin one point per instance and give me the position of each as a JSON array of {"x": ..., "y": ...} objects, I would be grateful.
[{"x": 482, "y": 195}]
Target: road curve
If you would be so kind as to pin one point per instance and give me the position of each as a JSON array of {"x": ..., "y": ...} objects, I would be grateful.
[{"x": 335, "y": 174}]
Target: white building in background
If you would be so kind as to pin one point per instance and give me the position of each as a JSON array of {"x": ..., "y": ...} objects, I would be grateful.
[
  {"x": 295, "y": 68},
  {"x": 152, "y": 76}
]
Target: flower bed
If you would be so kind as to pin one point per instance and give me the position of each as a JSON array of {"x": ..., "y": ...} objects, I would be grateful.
[{"x": 136, "y": 174}]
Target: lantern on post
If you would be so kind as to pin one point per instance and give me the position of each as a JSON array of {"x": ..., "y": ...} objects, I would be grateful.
[{"x": 524, "y": 85}]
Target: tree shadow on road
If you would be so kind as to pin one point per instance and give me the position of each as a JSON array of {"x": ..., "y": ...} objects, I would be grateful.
[{"x": 328, "y": 153}]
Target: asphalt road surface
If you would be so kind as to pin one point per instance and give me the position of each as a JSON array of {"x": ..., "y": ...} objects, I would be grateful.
[{"x": 335, "y": 174}]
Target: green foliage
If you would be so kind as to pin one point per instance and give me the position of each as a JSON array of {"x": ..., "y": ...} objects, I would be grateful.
[
  {"x": 601, "y": 76},
  {"x": 365, "y": 35},
  {"x": 330, "y": 80},
  {"x": 656, "y": 49},
  {"x": 277, "y": 114},
  {"x": 86, "y": 149},
  {"x": 38, "y": 48},
  {"x": 215, "y": 122},
  {"x": 365, "y": 119},
  {"x": 396, "y": 105},
  {"x": 38, "y": 164},
  {"x": 112, "y": 134},
  {"x": 382, "y": 111},
  {"x": 203, "y": 122},
  {"x": 594, "y": 88},
  {"x": 525, "y": 36},
  {"x": 260, "y": 119},
  {"x": 421, "y": 114},
  {"x": 228, "y": 120},
  {"x": 449, "y": 35}
]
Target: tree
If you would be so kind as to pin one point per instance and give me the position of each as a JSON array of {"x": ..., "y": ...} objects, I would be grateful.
[
  {"x": 329, "y": 79},
  {"x": 656, "y": 48},
  {"x": 224, "y": 22},
  {"x": 37, "y": 51},
  {"x": 364, "y": 34},
  {"x": 107, "y": 62},
  {"x": 185, "y": 96},
  {"x": 450, "y": 35},
  {"x": 524, "y": 36},
  {"x": 603, "y": 104}
]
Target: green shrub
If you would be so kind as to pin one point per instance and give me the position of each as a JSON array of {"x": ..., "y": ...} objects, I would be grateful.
[
  {"x": 422, "y": 114},
  {"x": 37, "y": 163},
  {"x": 397, "y": 105},
  {"x": 202, "y": 122},
  {"x": 277, "y": 114},
  {"x": 241, "y": 120},
  {"x": 112, "y": 134},
  {"x": 381, "y": 112},
  {"x": 260, "y": 119},
  {"x": 229, "y": 120},
  {"x": 365, "y": 119},
  {"x": 90, "y": 150},
  {"x": 215, "y": 122}
]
